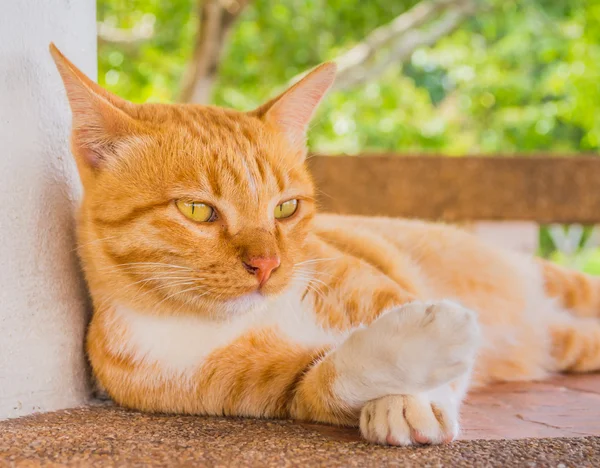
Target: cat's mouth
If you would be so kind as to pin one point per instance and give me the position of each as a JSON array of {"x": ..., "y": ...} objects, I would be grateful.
[
  {"x": 264, "y": 291},
  {"x": 237, "y": 292},
  {"x": 258, "y": 294}
]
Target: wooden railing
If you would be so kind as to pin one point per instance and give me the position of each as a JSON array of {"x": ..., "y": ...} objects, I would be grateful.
[{"x": 531, "y": 188}]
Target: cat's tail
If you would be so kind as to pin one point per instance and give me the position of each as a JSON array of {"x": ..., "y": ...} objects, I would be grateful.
[
  {"x": 575, "y": 339},
  {"x": 577, "y": 292}
]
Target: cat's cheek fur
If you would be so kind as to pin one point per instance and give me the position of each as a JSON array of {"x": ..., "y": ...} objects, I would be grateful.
[{"x": 410, "y": 349}]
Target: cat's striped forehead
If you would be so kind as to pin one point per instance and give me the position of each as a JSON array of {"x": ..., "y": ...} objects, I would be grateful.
[
  {"x": 225, "y": 152},
  {"x": 206, "y": 123}
]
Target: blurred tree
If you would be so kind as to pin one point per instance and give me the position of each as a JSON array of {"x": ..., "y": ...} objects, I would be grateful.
[
  {"x": 216, "y": 20},
  {"x": 518, "y": 76},
  {"x": 422, "y": 25}
]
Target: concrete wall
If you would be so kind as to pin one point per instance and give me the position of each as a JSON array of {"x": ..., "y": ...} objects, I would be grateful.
[{"x": 42, "y": 299}]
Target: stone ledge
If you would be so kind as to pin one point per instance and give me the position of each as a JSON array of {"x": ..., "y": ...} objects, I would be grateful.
[{"x": 549, "y": 419}]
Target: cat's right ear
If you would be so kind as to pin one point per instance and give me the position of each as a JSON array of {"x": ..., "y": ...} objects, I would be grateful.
[{"x": 102, "y": 122}]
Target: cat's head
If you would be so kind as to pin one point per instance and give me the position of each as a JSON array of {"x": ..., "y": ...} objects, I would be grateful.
[{"x": 188, "y": 206}]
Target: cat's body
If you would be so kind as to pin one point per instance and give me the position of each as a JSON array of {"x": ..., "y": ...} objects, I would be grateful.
[{"x": 318, "y": 317}]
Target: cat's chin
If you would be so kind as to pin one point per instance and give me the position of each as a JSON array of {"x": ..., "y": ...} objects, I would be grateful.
[{"x": 249, "y": 302}]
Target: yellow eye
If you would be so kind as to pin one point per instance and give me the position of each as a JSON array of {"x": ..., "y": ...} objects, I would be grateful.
[
  {"x": 196, "y": 211},
  {"x": 286, "y": 209}
]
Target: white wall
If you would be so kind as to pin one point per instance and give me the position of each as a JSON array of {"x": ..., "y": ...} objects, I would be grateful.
[{"x": 42, "y": 299}]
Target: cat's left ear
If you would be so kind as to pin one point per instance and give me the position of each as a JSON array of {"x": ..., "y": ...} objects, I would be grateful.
[{"x": 291, "y": 111}]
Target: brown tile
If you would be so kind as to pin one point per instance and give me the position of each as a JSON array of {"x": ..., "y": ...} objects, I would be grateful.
[
  {"x": 565, "y": 406},
  {"x": 582, "y": 382}
]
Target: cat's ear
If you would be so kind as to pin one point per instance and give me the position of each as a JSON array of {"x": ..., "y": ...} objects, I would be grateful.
[
  {"x": 291, "y": 111},
  {"x": 102, "y": 122}
]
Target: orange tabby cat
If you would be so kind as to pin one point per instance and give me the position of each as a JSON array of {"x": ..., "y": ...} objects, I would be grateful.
[{"x": 218, "y": 290}]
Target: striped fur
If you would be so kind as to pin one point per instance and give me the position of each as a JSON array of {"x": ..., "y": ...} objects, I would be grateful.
[{"x": 374, "y": 322}]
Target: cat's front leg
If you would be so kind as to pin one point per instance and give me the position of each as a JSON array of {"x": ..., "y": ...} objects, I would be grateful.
[{"x": 408, "y": 371}]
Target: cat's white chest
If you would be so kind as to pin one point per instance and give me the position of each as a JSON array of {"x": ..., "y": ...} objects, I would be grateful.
[{"x": 179, "y": 344}]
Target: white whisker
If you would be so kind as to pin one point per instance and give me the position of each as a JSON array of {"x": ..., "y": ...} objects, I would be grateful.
[
  {"x": 137, "y": 264},
  {"x": 316, "y": 260}
]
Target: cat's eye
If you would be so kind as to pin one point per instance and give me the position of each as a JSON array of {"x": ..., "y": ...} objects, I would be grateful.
[
  {"x": 286, "y": 209},
  {"x": 196, "y": 211}
]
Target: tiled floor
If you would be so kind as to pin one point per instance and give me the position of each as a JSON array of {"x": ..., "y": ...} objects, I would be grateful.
[{"x": 562, "y": 407}]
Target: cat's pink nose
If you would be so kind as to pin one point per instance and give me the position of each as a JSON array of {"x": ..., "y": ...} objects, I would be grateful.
[{"x": 262, "y": 267}]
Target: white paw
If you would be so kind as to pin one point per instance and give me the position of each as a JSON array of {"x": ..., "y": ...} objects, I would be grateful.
[
  {"x": 409, "y": 420},
  {"x": 408, "y": 350}
]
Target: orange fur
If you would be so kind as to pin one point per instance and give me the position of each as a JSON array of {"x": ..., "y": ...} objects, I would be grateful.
[
  {"x": 146, "y": 264},
  {"x": 575, "y": 291}
]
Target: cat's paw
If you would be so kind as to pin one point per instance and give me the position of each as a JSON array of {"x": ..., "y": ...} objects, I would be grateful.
[
  {"x": 410, "y": 420},
  {"x": 408, "y": 350}
]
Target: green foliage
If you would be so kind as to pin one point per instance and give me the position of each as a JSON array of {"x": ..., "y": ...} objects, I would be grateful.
[
  {"x": 519, "y": 77},
  {"x": 587, "y": 261},
  {"x": 147, "y": 70}
]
